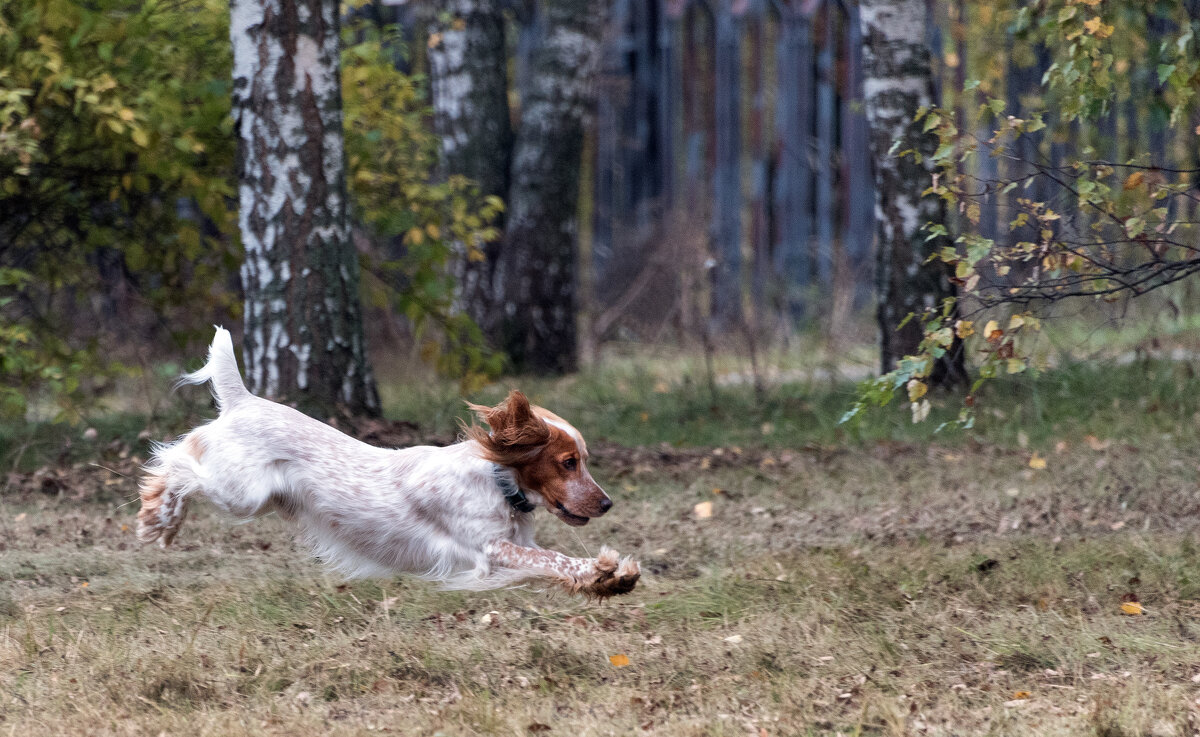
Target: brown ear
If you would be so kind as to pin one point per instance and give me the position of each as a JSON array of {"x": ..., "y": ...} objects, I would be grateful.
[{"x": 517, "y": 433}]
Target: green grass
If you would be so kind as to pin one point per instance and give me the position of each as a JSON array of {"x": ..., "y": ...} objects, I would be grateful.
[
  {"x": 639, "y": 407},
  {"x": 652, "y": 402}
]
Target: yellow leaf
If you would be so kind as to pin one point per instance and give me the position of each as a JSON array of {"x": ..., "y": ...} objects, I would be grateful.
[
  {"x": 1037, "y": 462},
  {"x": 992, "y": 331},
  {"x": 434, "y": 39},
  {"x": 620, "y": 660},
  {"x": 1022, "y": 695},
  {"x": 1134, "y": 180},
  {"x": 140, "y": 138},
  {"x": 645, "y": 417},
  {"x": 703, "y": 510},
  {"x": 126, "y": 114},
  {"x": 964, "y": 328},
  {"x": 1015, "y": 322},
  {"x": 1092, "y": 25},
  {"x": 1132, "y": 608},
  {"x": 1014, "y": 366},
  {"x": 916, "y": 389}
]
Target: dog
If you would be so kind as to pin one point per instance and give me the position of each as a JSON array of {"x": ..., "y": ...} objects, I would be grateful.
[{"x": 461, "y": 515}]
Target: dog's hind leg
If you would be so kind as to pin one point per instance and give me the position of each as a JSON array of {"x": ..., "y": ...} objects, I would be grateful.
[{"x": 171, "y": 477}]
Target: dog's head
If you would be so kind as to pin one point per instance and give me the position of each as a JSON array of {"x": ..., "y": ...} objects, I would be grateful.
[{"x": 547, "y": 454}]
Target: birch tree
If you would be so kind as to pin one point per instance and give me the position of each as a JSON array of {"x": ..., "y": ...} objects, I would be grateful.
[
  {"x": 898, "y": 82},
  {"x": 525, "y": 296},
  {"x": 303, "y": 319},
  {"x": 534, "y": 286},
  {"x": 468, "y": 71}
]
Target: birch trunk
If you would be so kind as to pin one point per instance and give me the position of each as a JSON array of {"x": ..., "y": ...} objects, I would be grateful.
[
  {"x": 534, "y": 284},
  {"x": 304, "y": 333},
  {"x": 897, "y": 81},
  {"x": 469, "y": 83}
]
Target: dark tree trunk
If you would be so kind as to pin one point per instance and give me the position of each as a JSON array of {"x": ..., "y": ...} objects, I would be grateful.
[
  {"x": 856, "y": 154},
  {"x": 898, "y": 80},
  {"x": 304, "y": 332},
  {"x": 826, "y": 210},
  {"x": 793, "y": 185},
  {"x": 468, "y": 73},
  {"x": 534, "y": 282},
  {"x": 727, "y": 182}
]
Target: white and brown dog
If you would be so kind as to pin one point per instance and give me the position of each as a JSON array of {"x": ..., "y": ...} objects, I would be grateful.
[{"x": 461, "y": 515}]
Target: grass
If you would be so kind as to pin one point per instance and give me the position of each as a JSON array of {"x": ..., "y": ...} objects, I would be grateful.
[{"x": 871, "y": 581}]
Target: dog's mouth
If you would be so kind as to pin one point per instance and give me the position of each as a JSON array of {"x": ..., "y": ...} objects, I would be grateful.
[{"x": 573, "y": 520}]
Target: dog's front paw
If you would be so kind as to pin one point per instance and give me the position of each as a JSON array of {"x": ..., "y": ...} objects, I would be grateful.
[{"x": 611, "y": 575}]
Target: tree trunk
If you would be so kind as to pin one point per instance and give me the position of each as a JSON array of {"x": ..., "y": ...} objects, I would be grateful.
[
  {"x": 727, "y": 181},
  {"x": 826, "y": 209},
  {"x": 793, "y": 185},
  {"x": 534, "y": 282},
  {"x": 856, "y": 155},
  {"x": 897, "y": 81},
  {"x": 468, "y": 72},
  {"x": 304, "y": 333}
]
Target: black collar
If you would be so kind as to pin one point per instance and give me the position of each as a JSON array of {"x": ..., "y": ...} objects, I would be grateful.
[{"x": 509, "y": 488}]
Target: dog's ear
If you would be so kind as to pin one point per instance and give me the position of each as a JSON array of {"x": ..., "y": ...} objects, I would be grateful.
[{"x": 517, "y": 433}]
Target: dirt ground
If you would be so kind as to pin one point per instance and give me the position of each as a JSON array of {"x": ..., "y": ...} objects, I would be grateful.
[{"x": 882, "y": 588}]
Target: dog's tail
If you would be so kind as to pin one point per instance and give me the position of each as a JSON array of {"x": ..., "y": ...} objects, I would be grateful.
[{"x": 222, "y": 371}]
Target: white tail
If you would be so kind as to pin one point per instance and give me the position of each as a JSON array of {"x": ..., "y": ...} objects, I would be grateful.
[{"x": 222, "y": 371}]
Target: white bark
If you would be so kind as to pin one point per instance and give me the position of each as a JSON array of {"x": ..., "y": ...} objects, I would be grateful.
[
  {"x": 897, "y": 81},
  {"x": 303, "y": 333}
]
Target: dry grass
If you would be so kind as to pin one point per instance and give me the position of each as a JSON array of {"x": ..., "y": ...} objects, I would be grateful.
[{"x": 889, "y": 589}]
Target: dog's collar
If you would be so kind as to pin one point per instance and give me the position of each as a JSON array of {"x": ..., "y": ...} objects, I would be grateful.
[{"x": 509, "y": 488}]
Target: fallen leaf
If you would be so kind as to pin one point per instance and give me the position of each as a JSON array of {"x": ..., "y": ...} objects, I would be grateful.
[
  {"x": 1132, "y": 608},
  {"x": 619, "y": 660},
  {"x": 492, "y": 616},
  {"x": 538, "y": 727},
  {"x": 1037, "y": 462},
  {"x": 1022, "y": 695},
  {"x": 19, "y": 517},
  {"x": 703, "y": 510},
  {"x": 733, "y": 639}
]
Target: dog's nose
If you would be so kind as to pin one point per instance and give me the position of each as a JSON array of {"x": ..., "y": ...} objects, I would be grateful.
[{"x": 605, "y": 505}]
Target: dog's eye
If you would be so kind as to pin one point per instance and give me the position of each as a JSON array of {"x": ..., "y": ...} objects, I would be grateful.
[{"x": 569, "y": 464}]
